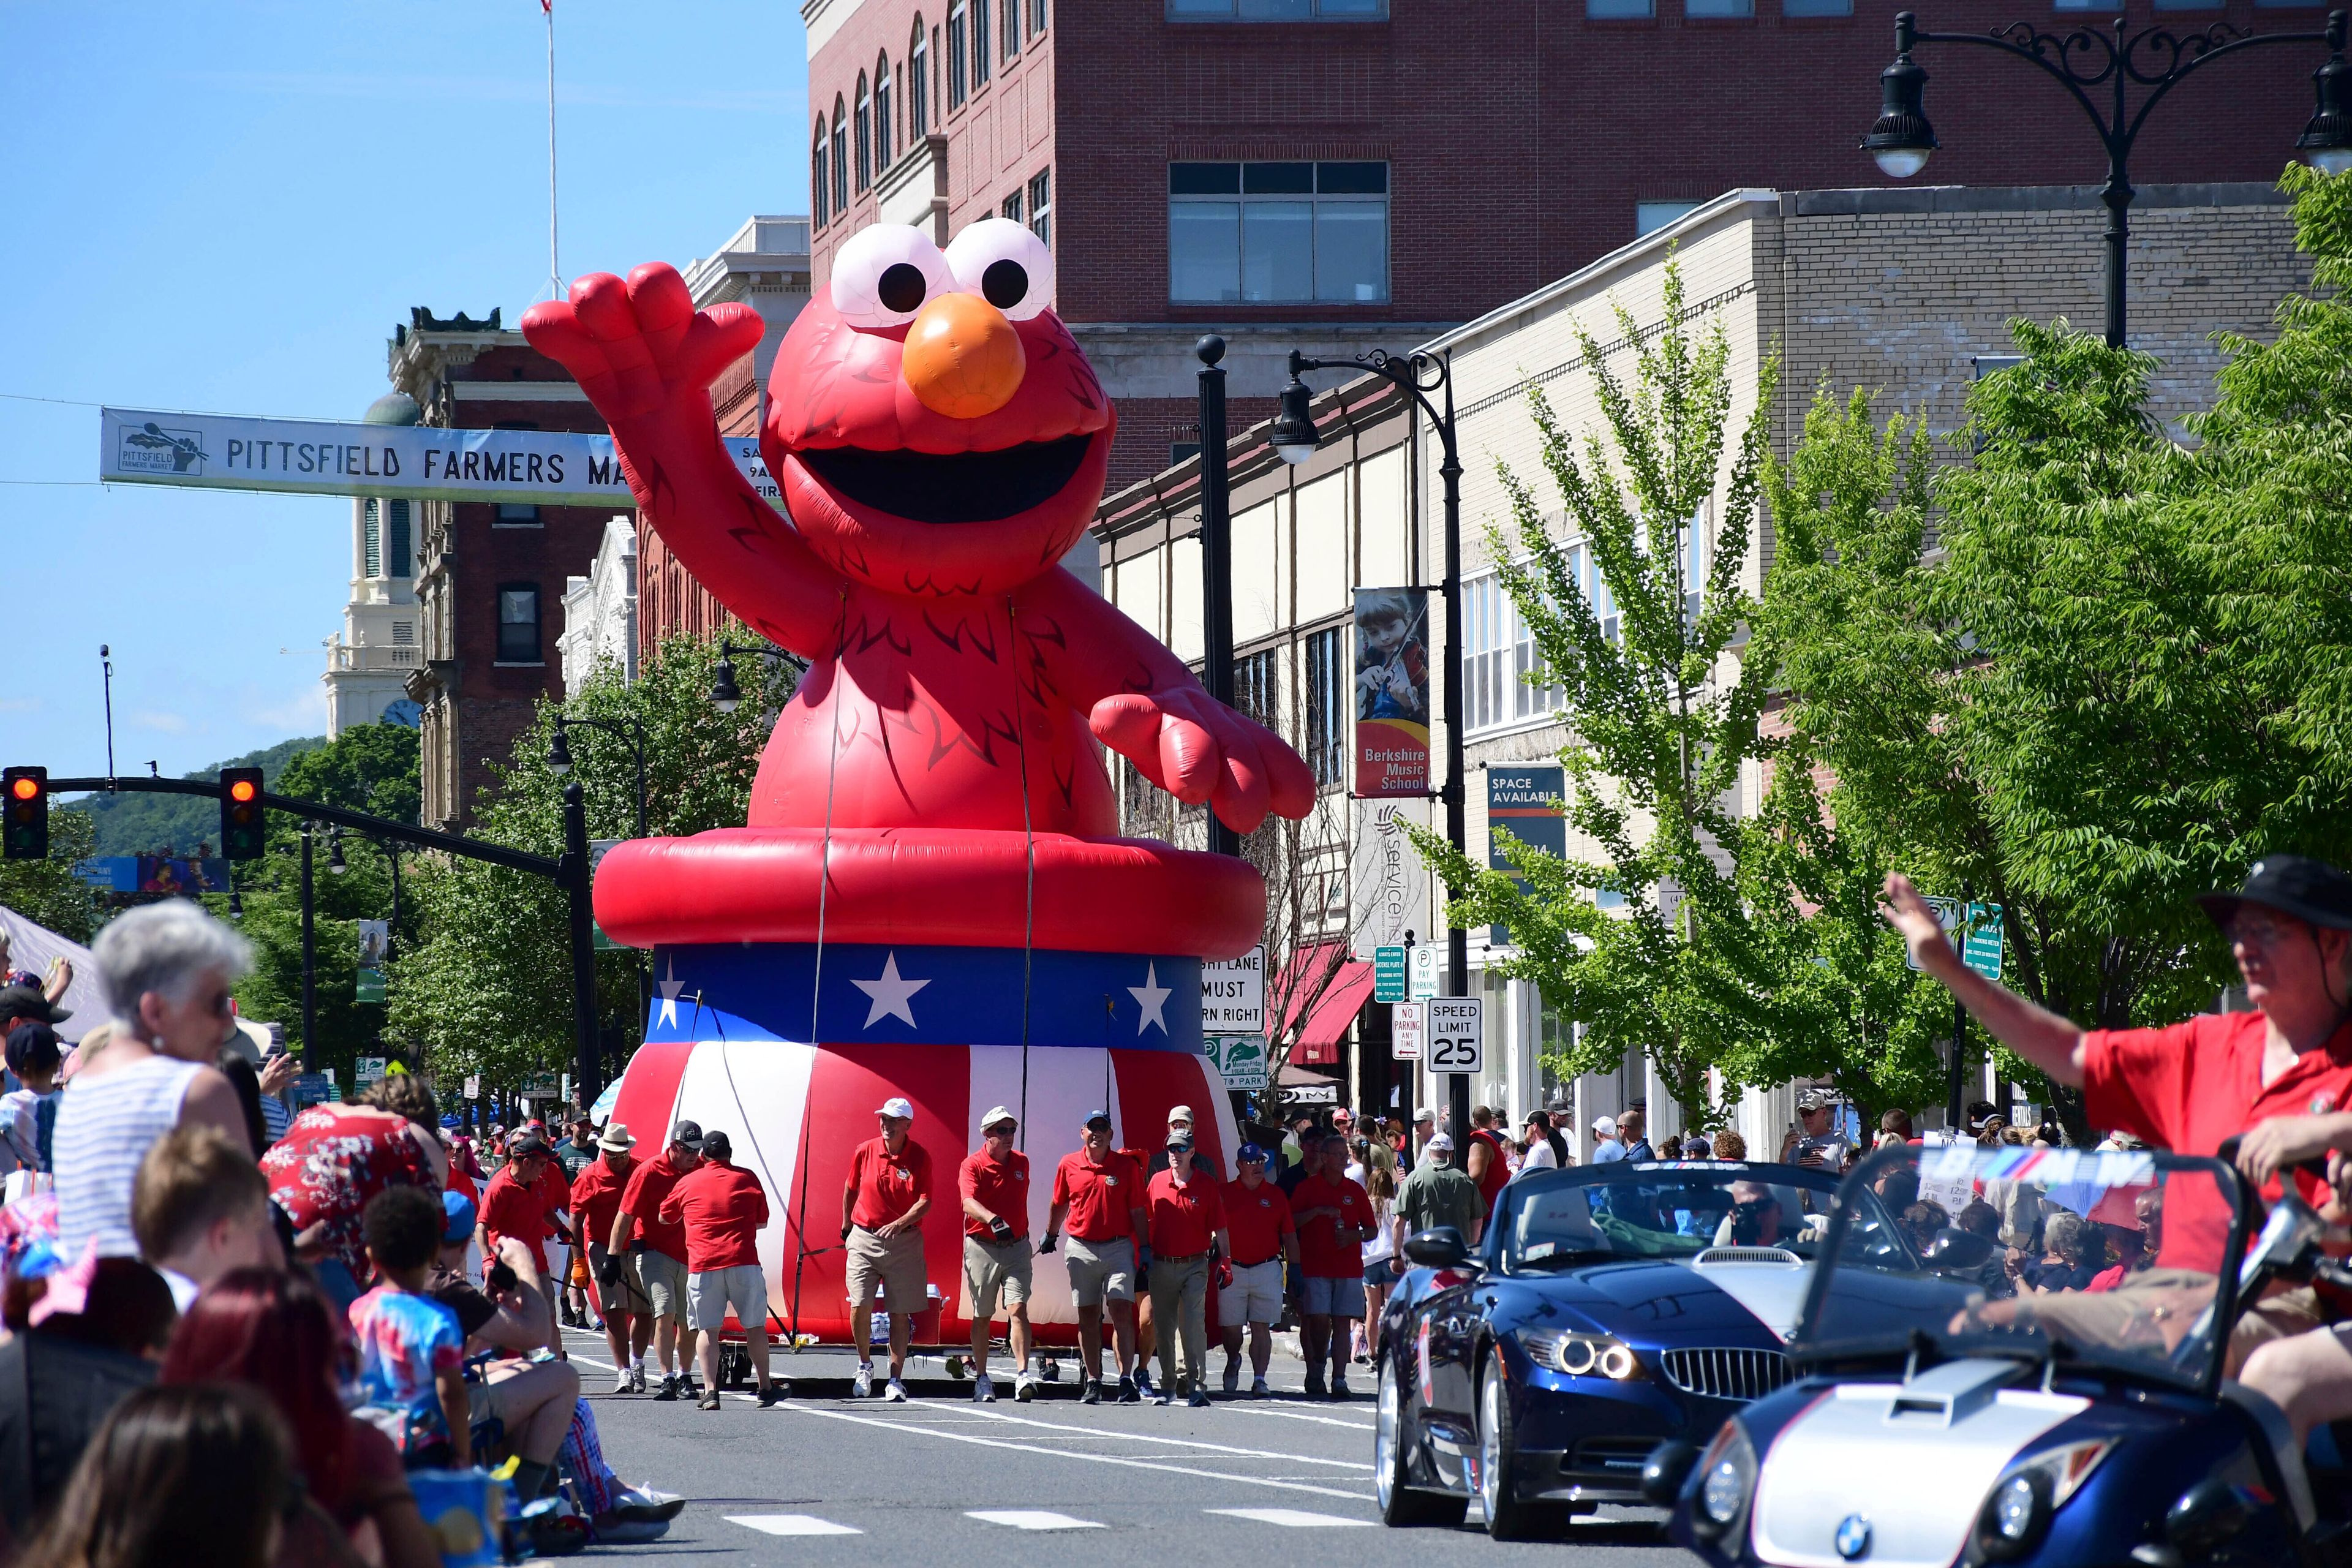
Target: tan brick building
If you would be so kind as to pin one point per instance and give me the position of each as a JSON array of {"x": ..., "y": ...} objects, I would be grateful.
[{"x": 1906, "y": 292}]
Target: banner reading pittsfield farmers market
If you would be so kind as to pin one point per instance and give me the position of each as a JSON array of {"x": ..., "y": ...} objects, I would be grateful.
[
  {"x": 216, "y": 451},
  {"x": 1391, "y": 692}
]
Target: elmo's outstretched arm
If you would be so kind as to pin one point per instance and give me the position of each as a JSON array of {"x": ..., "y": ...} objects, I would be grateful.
[
  {"x": 646, "y": 358},
  {"x": 1142, "y": 703}
]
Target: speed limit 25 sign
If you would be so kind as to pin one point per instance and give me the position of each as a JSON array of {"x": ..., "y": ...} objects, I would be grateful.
[{"x": 1456, "y": 1035}]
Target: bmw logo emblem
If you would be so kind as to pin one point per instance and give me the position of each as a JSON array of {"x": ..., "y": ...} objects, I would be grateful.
[{"x": 1852, "y": 1537}]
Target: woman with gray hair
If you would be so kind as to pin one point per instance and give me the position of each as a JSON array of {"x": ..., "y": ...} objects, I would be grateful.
[{"x": 166, "y": 970}]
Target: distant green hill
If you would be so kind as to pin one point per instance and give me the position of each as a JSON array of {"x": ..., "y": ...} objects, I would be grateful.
[{"x": 147, "y": 824}]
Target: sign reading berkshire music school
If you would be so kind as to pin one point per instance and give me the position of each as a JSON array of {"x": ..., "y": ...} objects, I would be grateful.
[{"x": 547, "y": 468}]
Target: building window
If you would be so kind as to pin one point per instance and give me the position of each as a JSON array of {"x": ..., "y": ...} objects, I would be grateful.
[
  {"x": 1717, "y": 10},
  {"x": 1041, "y": 206},
  {"x": 819, "y": 191},
  {"x": 980, "y": 43},
  {"x": 882, "y": 122},
  {"x": 1278, "y": 233},
  {"x": 1180, "y": 450},
  {"x": 404, "y": 634},
  {"x": 1696, "y": 557},
  {"x": 861, "y": 132},
  {"x": 1837, "y": 7},
  {"x": 1651, "y": 216},
  {"x": 1619, "y": 10},
  {"x": 1257, "y": 687},
  {"x": 1036, "y": 17},
  {"x": 840, "y": 159},
  {"x": 1277, "y": 10},
  {"x": 371, "y": 542},
  {"x": 1012, "y": 29},
  {"x": 516, "y": 514},
  {"x": 517, "y": 623},
  {"x": 1011, "y": 207},
  {"x": 956, "y": 21},
  {"x": 918, "y": 84},
  {"x": 1498, "y": 654},
  {"x": 1328, "y": 691},
  {"x": 396, "y": 551}
]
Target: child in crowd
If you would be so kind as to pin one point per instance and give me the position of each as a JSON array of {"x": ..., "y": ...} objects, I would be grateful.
[
  {"x": 29, "y": 1115},
  {"x": 412, "y": 1357}
]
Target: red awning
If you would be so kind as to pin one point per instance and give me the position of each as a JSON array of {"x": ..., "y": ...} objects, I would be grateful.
[{"x": 1331, "y": 1013}]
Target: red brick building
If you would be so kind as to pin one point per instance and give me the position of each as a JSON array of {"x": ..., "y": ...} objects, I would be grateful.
[
  {"x": 1334, "y": 174},
  {"x": 490, "y": 578}
]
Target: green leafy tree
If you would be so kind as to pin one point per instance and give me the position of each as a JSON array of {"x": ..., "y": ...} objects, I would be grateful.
[
  {"x": 1661, "y": 716},
  {"x": 46, "y": 892},
  {"x": 487, "y": 989}
]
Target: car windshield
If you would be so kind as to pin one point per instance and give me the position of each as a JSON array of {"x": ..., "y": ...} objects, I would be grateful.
[
  {"x": 1674, "y": 1209},
  {"x": 2104, "y": 1257}
]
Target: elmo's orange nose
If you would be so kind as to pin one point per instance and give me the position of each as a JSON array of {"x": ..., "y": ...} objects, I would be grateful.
[{"x": 962, "y": 358}]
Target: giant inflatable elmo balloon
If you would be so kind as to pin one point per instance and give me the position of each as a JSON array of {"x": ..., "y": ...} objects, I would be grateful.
[{"x": 929, "y": 897}]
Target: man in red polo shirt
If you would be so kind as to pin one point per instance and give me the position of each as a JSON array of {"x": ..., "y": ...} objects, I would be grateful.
[
  {"x": 2280, "y": 1075},
  {"x": 723, "y": 1209},
  {"x": 1263, "y": 1236},
  {"x": 1100, "y": 1192},
  {"x": 656, "y": 1248},
  {"x": 514, "y": 1207},
  {"x": 595, "y": 1202},
  {"x": 993, "y": 1183},
  {"x": 882, "y": 1209},
  {"x": 1186, "y": 1219},
  {"x": 1334, "y": 1219}
]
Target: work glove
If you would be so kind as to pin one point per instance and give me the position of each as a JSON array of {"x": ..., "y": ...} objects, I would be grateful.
[
  {"x": 999, "y": 1230},
  {"x": 1045, "y": 1245},
  {"x": 1224, "y": 1273},
  {"x": 1142, "y": 1254},
  {"x": 846, "y": 1230},
  {"x": 608, "y": 1273}
]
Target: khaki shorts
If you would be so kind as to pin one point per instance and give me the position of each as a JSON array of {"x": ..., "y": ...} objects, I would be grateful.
[
  {"x": 627, "y": 1297},
  {"x": 743, "y": 1286},
  {"x": 990, "y": 1268},
  {"x": 663, "y": 1280},
  {"x": 896, "y": 1262},
  {"x": 1254, "y": 1297},
  {"x": 1101, "y": 1271}
]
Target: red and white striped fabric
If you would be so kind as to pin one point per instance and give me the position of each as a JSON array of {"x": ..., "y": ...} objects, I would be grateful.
[{"x": 796, "y": 1112}]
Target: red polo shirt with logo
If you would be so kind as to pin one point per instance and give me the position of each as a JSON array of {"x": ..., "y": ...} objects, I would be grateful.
[
  {"x": 649, "y": 1187},
  {"x": 887, "y": 1184},
  {"x": 1100, "y": 1196},
  {"x": 2188, "y": 1085},
  {"x": 1256, "y": 1219},
  {"x": 1184, "y": 1217},
  {"x": 1001, "y": 1189},
  {"x": 1321, "y": 1256}
]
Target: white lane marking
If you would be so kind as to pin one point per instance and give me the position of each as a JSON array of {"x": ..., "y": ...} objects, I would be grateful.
[
  {"x": 798, "y": 1408},
  {"x": 1290, "y": 1517},
  {"x": 1029, "y": 1519},
  {"x": 1302, "y": 1415},
  {"x": 1187, "y": 1443},
  {"x": 790, "y": 1524}
]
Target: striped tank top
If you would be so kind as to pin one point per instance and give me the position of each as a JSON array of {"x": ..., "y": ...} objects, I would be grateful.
[{"x": 105, "y": 1127}]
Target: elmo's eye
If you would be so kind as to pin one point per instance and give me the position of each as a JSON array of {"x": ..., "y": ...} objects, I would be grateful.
[
  {"x": 1005, "y": 264},
  {"x": 885, "y": 273}
]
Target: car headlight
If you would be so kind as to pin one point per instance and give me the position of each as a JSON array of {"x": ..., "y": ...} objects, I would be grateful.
[
  {"x": 2016, "y": 1512},
  {"x": 1727, "y": 1474},
  {"x": 1581, "y": 1355}
]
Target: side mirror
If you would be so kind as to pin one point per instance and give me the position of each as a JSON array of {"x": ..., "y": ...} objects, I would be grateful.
[
  {"x": 1668, "y": 1467},
  {"x": 2206, "y": 1515},
  {"x": 1441, "y": 1246}
]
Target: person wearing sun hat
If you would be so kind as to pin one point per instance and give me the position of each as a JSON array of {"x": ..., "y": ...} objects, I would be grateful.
[
  {"x": 993, "y": 1183},
  {"x": 596, "y": 1193},
  {"x": 882, "y": 1208}
]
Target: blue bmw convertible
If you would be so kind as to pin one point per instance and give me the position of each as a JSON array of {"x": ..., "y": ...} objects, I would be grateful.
[{"x": 1606, "y": 1309}]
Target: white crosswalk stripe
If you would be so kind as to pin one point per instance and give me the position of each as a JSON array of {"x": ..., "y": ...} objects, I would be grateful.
[
  {"x": 1290, "y": 1517},
  {"x": 791, "y": 1524},
  {"x": 1029, "y": 1519}
]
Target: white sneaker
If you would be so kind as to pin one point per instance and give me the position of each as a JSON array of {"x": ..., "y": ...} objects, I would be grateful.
[
  {"x": 894, "y": 1393},
  {"x": 625, "y": 1384},
  {"x": 862, "y": 1386},
  {"x": 984, "y": 1390},
  {"x": 637, "y": 1378},
  {"x": 1024, "y": 1388}
]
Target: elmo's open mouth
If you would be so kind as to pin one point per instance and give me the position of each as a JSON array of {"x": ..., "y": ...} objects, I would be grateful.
[{"x": 968, "y": 487}]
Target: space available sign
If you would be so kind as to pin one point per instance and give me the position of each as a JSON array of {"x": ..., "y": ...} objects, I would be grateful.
[{"x": 215, "y": 451}]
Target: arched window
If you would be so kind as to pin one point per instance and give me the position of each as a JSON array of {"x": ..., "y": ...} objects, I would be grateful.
[
  {"x": 840, "y": 157},
  {"x": 862, "y": 134},
  {"x": 372, "y": 541},
  {"x": 819, "y": 193},
  {"x": 918, "y": 84},
  {"x": 882, "y": 126}
]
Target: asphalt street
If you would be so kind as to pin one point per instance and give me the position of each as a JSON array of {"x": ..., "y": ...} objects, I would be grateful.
[{"x": 822, "y": 1479}]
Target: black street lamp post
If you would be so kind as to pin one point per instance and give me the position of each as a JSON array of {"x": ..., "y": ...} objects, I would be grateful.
[
  {"x": 2157, "y": 59},
  {"x": 1216, "y": 555},
  {"x": 725, "y": 695},
  {"x": 559, "y": 762},
  {"x": 1294, "y": 436},
  {"x": 309, "y": 962}
]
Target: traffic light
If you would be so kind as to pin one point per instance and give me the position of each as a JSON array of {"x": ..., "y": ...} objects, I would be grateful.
[
  {"x": 27, "y": 813},
  {"x": 241, "y": 813}
]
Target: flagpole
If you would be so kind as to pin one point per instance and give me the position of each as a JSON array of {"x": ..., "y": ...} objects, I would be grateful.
[{"x": 555, "y": 268}]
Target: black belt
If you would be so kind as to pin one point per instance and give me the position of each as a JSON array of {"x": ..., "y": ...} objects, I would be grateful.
[
  {"x": 1260, "y": 1263},
  {"x": 1185, "y": 1257}
]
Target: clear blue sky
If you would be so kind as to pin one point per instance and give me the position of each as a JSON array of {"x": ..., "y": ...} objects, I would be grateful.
[{"x": 226, "y": 207}]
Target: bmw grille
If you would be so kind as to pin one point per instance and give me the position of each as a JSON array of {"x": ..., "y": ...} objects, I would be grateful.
[{"x": 1726, "y": 1373}]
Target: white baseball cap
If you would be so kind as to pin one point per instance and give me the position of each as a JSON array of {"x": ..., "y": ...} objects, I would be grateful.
[
  {"x": 1606, "y": 1126},
  {"x": 896, "y": 1106},
  {"x": 1440, "y": 1144},
  {"x": 1182, "y": 1113},
  {"x": 997, "y": 1113}
]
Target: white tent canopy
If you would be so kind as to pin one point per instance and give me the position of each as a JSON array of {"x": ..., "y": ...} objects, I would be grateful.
[{"x": 32, "y": 945}]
